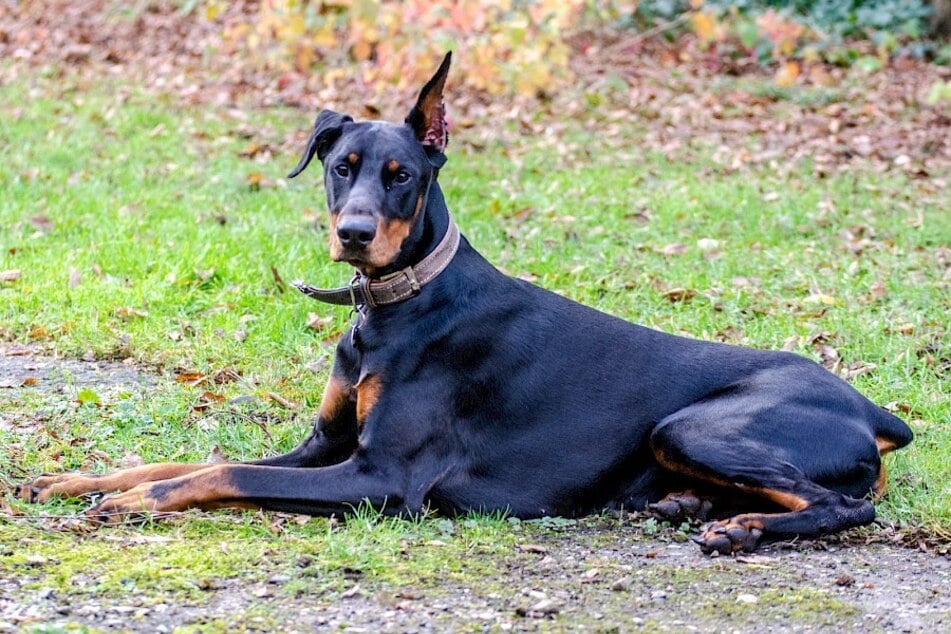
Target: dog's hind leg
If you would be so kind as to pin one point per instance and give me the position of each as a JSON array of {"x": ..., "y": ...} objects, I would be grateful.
[{"x": 748, "y": 460}]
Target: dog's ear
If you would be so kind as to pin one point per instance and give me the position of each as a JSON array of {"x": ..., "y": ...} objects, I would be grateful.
[
  {"x": 428, "y": 117},
  {"x": 327, "y": 129}
]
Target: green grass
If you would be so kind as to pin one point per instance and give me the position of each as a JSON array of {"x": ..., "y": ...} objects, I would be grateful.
[{"x": 150, "y": 204}]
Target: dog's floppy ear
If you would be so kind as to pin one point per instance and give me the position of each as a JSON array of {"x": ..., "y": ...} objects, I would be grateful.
[
  {"x": 428, "y": 117},
  {"x": 327, "y": 129}
]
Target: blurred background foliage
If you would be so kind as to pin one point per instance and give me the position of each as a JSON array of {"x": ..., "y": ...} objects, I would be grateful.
[{"x": 523, "y": 46}]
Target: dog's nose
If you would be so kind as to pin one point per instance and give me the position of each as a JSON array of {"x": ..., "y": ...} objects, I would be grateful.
[{"x": 356, "y": 231}]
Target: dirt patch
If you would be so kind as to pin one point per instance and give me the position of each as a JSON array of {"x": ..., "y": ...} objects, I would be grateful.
[
  {"x": 20, "y": 366},
  {"x": 590, "y": 577}
]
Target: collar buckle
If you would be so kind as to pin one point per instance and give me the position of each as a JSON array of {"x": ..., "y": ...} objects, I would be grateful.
[{"x": 410, "y": 274}]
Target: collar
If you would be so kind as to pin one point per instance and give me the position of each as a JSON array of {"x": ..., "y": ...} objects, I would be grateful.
[{"x": 366, "y": 291}]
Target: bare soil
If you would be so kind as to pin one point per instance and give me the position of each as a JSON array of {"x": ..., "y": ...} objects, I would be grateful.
[{"x": 589, "y": 578}]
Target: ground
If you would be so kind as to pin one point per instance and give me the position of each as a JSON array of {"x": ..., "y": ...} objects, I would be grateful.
[
  {"x": 147, "y": 230},
  {"x": 267, "y": 572}
]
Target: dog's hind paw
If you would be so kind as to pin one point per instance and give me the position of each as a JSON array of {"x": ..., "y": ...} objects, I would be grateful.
[
  {"x": 676, "y": 507},
  {"x": 729, "y": 536}
]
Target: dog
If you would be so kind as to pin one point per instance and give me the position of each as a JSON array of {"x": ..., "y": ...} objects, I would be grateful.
[{"x": 461, "y": 389}]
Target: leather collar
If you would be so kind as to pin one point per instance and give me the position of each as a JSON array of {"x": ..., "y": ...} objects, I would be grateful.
[{"x": 366, "y": 291}]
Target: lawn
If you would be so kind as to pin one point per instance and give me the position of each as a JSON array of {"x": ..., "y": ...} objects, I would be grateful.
[{"x": 162, "y": 236}]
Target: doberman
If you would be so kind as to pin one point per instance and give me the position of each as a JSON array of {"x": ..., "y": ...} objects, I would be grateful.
[{"x": 461, "y": 389}]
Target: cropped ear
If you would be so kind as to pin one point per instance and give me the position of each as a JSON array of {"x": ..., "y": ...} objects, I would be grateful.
[
  {"x": 327, "y": 129},
  {"x": 427, "y": 119}
]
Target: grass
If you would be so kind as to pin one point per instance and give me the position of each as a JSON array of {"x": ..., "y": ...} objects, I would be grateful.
[{"x": 139, "y": 234}]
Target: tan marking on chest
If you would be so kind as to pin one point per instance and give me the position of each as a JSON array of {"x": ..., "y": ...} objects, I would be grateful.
[
  {"x": 369, "y": 390},
  {"x": 335, "y": 398}
]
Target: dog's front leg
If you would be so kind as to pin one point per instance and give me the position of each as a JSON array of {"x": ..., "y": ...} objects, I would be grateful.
[
  {"x": 71, "y": 485},
  {"x": 315, "y": 491},
  {"x": 334, "y": 437}
]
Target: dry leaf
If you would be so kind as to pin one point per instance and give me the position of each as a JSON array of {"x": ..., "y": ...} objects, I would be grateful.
[
  {"x": 131, "y": 459},
  {"x": 680, "y": 294},
  {"x": 673, "y": 249},
  {"x": 532, "y": 548},
  {"x": 318, "y": 323},
  {"x": 124, "y": 312},
  {"x": 821, "y": 298},
  {"x": 11, "y": 275},
  {"x": 216, "y": 456},
  {"x": 787, "y": 74},
  {"x": 192, "y": 378}
]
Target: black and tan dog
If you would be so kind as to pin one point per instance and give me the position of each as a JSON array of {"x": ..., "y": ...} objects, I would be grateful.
[{"x": 460, "y": 388}]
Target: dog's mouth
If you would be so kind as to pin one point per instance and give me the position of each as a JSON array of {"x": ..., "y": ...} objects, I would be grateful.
[{"x": 379, "y": 253}]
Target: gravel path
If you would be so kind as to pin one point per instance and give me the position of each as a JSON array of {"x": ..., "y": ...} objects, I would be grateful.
[{"x": 635, "y": 583}]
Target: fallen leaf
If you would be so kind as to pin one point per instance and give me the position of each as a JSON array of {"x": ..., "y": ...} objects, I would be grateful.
[
  {"x": 192, "y": 378},
  {"x": 131, "y": 459},
  {"x": 42, "y": 223},
  {"x": 532, "y": 548},
  {"x": 217, "y": 456},
  {"x": 787, "y": 74},
  {"x": 878, "y": 289},
  {"x": 124, "y": 312},
  {"x": 673, "y": 249},
  {"x": 680, "y": 294},
  {"x": 11, "y": 275},
  {"x": 225, "y": 375},
  {"x": 318, "y": 323},
  {"x": 257, "y": 181},
  {"x": 821, "y": 298}
]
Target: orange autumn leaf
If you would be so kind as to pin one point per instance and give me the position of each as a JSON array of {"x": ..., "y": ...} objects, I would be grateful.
[
  {"x": 787, "y": 74},
  {"x": 705, "y": 26}
]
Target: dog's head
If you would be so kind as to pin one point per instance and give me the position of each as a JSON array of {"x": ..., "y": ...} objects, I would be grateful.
[{"x": 377, "y": 176}]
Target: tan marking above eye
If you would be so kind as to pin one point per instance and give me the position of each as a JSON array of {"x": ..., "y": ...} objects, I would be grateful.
[
  {"x": 393, "y": 165},
  {"x": 353, "y": 157}
]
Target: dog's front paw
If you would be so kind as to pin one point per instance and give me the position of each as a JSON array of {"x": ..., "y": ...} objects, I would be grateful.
[
  {"x": 135, "y": 505},
  {"x": 728, "y": 536},
  {"x": 66, "y": 485}
]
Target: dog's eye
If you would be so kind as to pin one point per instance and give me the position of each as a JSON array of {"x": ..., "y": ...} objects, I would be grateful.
[
  {"x": 401, "y": 177},
  {"x": 343, "y": 170}
]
